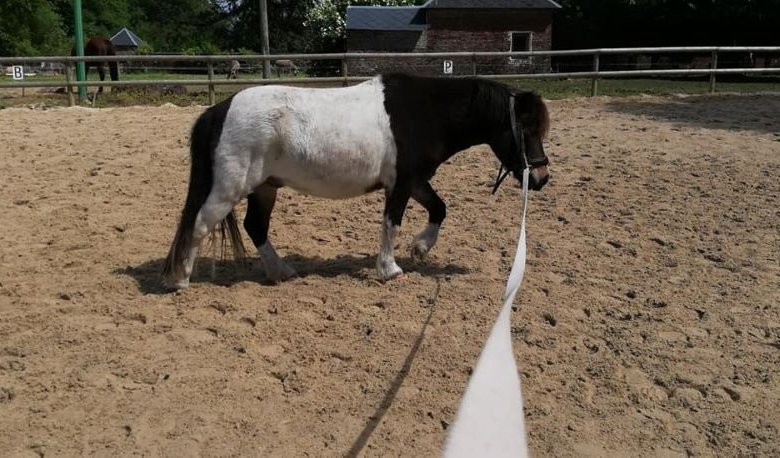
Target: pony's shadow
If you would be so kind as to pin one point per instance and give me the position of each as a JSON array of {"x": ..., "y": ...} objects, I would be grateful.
[{"x": 229, "y": 272}]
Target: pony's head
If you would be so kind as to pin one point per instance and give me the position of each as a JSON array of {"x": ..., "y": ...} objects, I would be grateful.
[{"x": 520, "y": 143}]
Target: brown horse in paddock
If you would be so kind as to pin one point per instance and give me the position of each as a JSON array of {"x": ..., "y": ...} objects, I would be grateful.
[{"x": 100, "y": 46}]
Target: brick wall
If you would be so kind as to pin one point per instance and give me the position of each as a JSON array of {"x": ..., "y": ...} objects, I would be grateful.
[
  {"x": 453, "y": 30},
  {"x": 373, "y": 66}
]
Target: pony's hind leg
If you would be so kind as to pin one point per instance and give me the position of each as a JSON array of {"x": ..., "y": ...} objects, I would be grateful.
[
  {"x": 214, "y": 210},
  {"x": 260, "y": 204},
  {"x": 101, "y": 68},
  {"x": 437, "y": 211}
]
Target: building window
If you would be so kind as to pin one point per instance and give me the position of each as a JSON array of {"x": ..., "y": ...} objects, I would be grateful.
[{"x": 520, "y": 41}]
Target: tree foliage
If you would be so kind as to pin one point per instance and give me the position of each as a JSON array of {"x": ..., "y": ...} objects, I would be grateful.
[
  {"x": 285, "y": 24},
  {"x": 29, "y": 27},
  {"x": 625, "y": 23},
  {"x": 36, "y": 27},
  {"x": 176, "y": 25}
]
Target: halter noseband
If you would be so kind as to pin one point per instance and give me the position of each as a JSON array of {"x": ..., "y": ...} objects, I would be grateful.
[{"x": 520, "y": 141}]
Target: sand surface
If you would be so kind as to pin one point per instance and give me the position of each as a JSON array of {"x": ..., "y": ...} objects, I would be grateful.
[{"x": 648, "y": 323}]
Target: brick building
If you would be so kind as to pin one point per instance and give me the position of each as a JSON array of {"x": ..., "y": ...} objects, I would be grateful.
[{"x": 452, "y": 25}]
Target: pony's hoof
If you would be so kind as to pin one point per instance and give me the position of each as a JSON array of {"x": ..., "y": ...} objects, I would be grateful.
[
  {"x": 277, "y": 270},
  {"x": 418, "y": 251},
  {"x": 389, "y": 272},
  {"x": 176, "y": 285},
  {"x": 283, "y": 276}
]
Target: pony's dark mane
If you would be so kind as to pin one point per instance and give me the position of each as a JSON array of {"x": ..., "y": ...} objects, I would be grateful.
[
  {"x": 491, "y": 100},
  {"x": 495, "y": 96}
]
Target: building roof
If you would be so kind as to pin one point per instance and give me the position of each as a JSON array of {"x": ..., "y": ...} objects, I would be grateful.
[
  {"x": 400, "y": 18},
  {"x": 412, "y": 18},
  {"x": 126, "y": 37},
  {"x": 489, "y": 4}
]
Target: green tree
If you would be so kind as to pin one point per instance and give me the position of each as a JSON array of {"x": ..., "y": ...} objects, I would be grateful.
[
  {"x": 619, "y": 23},
  {"x": 100, "y": 18},
  {"x": 175, "y": 25},
  {"x": 30, "y": 27},
  {"x": 285, "y": 23}
]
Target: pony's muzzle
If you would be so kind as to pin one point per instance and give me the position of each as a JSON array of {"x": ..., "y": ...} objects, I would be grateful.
[{"x": 539, "y": 176}]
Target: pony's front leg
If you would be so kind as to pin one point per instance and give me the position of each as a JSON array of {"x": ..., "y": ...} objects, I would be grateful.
[
  {"x": 425, "y": 195},
  {"x": 395, "y": 206}
]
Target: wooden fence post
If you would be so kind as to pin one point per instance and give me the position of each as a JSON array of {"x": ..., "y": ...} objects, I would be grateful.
[
  {"x": 211, "y": 84},
  {"x": 594, "y": 87},
  {"x": 68, "y": 85},
  {"x": 713, "y": 66}
]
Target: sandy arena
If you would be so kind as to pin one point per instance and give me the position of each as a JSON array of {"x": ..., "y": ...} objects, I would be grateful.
[{"x": 648, "y": 323}]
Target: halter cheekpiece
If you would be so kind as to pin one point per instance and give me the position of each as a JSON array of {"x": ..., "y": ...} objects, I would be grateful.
[{"x": 520, "y": 141}]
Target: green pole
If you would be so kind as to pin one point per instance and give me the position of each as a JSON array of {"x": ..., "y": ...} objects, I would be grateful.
[{"x": 81, "y": 74}]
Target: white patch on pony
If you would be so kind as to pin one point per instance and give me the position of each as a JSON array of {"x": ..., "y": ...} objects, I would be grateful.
[
  {"x": 385, "y": 262},
  {"x": 334, "y": 143},
  {"x": 275, "y": 268},
  {"x": 424, "y": 241}
]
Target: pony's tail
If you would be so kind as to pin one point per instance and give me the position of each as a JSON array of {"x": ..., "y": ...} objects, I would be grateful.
[
  {"x": 229, "y": 230},
  {"x": 201, "y": 178},
  {"x": 202, "y": 145}
]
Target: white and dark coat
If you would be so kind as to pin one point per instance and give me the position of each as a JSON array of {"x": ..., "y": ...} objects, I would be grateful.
[{"x": 391, "y": 132}]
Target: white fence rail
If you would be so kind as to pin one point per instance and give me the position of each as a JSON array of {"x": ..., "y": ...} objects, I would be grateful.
[{"x": 594, "y": 74}]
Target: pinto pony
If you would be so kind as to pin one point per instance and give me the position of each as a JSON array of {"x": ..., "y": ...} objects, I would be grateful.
[
  {"x": 391, "y": 133},
  {"x": 100, "y": 46}
]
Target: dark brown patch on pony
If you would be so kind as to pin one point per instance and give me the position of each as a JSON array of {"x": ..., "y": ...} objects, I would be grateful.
[
  {"x": 374, "y": 187},
  {"x": 274, "y": 182}
]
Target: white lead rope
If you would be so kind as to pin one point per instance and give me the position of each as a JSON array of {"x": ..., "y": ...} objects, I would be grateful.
[{"x": 490, "y": 420}]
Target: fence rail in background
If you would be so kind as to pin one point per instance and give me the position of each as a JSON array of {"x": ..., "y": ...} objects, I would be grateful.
[{"x": 210, "y": 81}]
